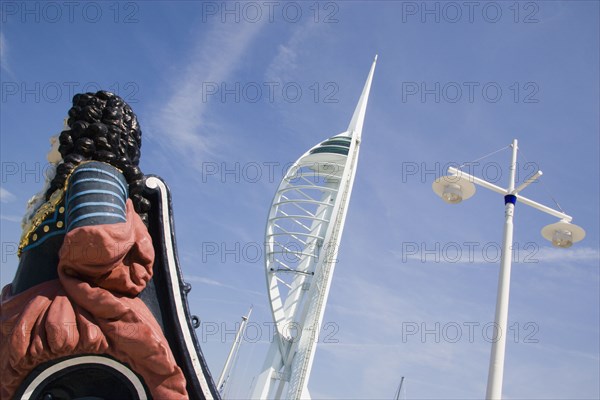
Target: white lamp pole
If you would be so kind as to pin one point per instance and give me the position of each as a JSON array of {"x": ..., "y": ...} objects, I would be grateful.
[
  {"x": 458, "y": 186},
  {"x": 496, "y": 371}
]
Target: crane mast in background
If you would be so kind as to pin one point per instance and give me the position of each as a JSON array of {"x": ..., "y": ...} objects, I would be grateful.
[{"x": 229, "y": 365}]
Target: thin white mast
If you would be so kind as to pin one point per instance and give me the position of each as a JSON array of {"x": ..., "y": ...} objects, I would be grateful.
[{"x": 228, "y": 367}]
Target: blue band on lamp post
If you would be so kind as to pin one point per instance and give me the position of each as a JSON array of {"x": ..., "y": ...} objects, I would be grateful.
[{"x": 510, "y": 198}]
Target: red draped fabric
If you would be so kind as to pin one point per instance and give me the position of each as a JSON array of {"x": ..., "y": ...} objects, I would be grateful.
[{"x": 91, "y": 309}]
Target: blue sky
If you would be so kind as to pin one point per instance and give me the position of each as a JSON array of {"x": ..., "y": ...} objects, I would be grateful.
[{"x": 228, "y": 94}]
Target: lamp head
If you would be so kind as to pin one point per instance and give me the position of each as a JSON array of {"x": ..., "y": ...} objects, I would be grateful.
[
  {"x": 563, "y": 234},
  {"x": 453, "y": 188}
]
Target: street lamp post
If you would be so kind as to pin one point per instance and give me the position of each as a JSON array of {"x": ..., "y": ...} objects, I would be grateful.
[{"x": 459, "y": 186}]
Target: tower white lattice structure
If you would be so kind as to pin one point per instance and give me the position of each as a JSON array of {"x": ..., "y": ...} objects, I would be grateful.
[{"x": 303, "y": 234}]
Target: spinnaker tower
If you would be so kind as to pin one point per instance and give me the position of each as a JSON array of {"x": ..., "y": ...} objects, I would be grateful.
[{"x": 303, "y": 233}]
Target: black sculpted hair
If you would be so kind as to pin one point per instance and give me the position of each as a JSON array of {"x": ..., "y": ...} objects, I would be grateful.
[{"x": 103, "y": 128}]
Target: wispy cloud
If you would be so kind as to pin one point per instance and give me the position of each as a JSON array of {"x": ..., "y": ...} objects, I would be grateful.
[
  {"x": 551, "y": 254},
  {"x": 10, "y": 218},
  {"x": 183, "y": 121},
  {"x": 211, "y": 282},
  {"x": 203, "y": 280},
  {"x": 6, "y": 196},
  {"x": 4, "y": 65},
  {"x": 285, "y": 63}
]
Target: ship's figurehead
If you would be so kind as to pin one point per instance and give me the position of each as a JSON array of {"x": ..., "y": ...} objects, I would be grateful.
[{"x": 98, "y": 307}]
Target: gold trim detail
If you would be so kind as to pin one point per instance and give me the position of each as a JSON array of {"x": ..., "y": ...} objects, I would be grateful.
[{"x": 45, "y": 209}]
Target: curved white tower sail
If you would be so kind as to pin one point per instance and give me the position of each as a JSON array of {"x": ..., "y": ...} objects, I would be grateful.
[{"x": 303, "y": 234}]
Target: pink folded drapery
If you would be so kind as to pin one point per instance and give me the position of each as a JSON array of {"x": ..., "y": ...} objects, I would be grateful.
[{"x": 91, "y": 309}]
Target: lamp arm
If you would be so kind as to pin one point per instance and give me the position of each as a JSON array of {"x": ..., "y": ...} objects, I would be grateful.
[
  {"x": 528, "y": 182},
  {"x": 504, "y": 192},
  {"x": 543, "y": 208},
  {"x": 477, "y": 181}
]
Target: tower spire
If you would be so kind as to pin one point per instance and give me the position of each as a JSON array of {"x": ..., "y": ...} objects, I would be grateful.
[{"x": 358, "y": 118}]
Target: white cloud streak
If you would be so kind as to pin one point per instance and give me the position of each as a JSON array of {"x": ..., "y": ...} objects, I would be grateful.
[
  {"x": 6, "y": 196},
  {"x": 10, "y": 218},
  {"x": 4, "y": 65},
  {"x": 183, "y": 121},
  {"x": 211, "y": 282},
  {"x": 579, "y": 254}
]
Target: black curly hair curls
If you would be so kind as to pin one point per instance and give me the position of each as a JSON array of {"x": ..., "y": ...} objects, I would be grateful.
[{"x": 103, "y": 128}]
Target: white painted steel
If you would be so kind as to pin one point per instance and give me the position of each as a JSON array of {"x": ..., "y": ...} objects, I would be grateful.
[
  {"x": 502, "y": 191},
  {"x": 529, "y": 181},
  {"x": 496, "y": 367},
  {"x": 303, "y": 234},
  {"x": 496, "y": 370},
  {"x": 230, "y": 362}
]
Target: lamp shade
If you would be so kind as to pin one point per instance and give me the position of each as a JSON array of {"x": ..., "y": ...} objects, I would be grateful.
[
  {"x": 563, "y": 234},
  {"x": 453, "y": 188}
]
